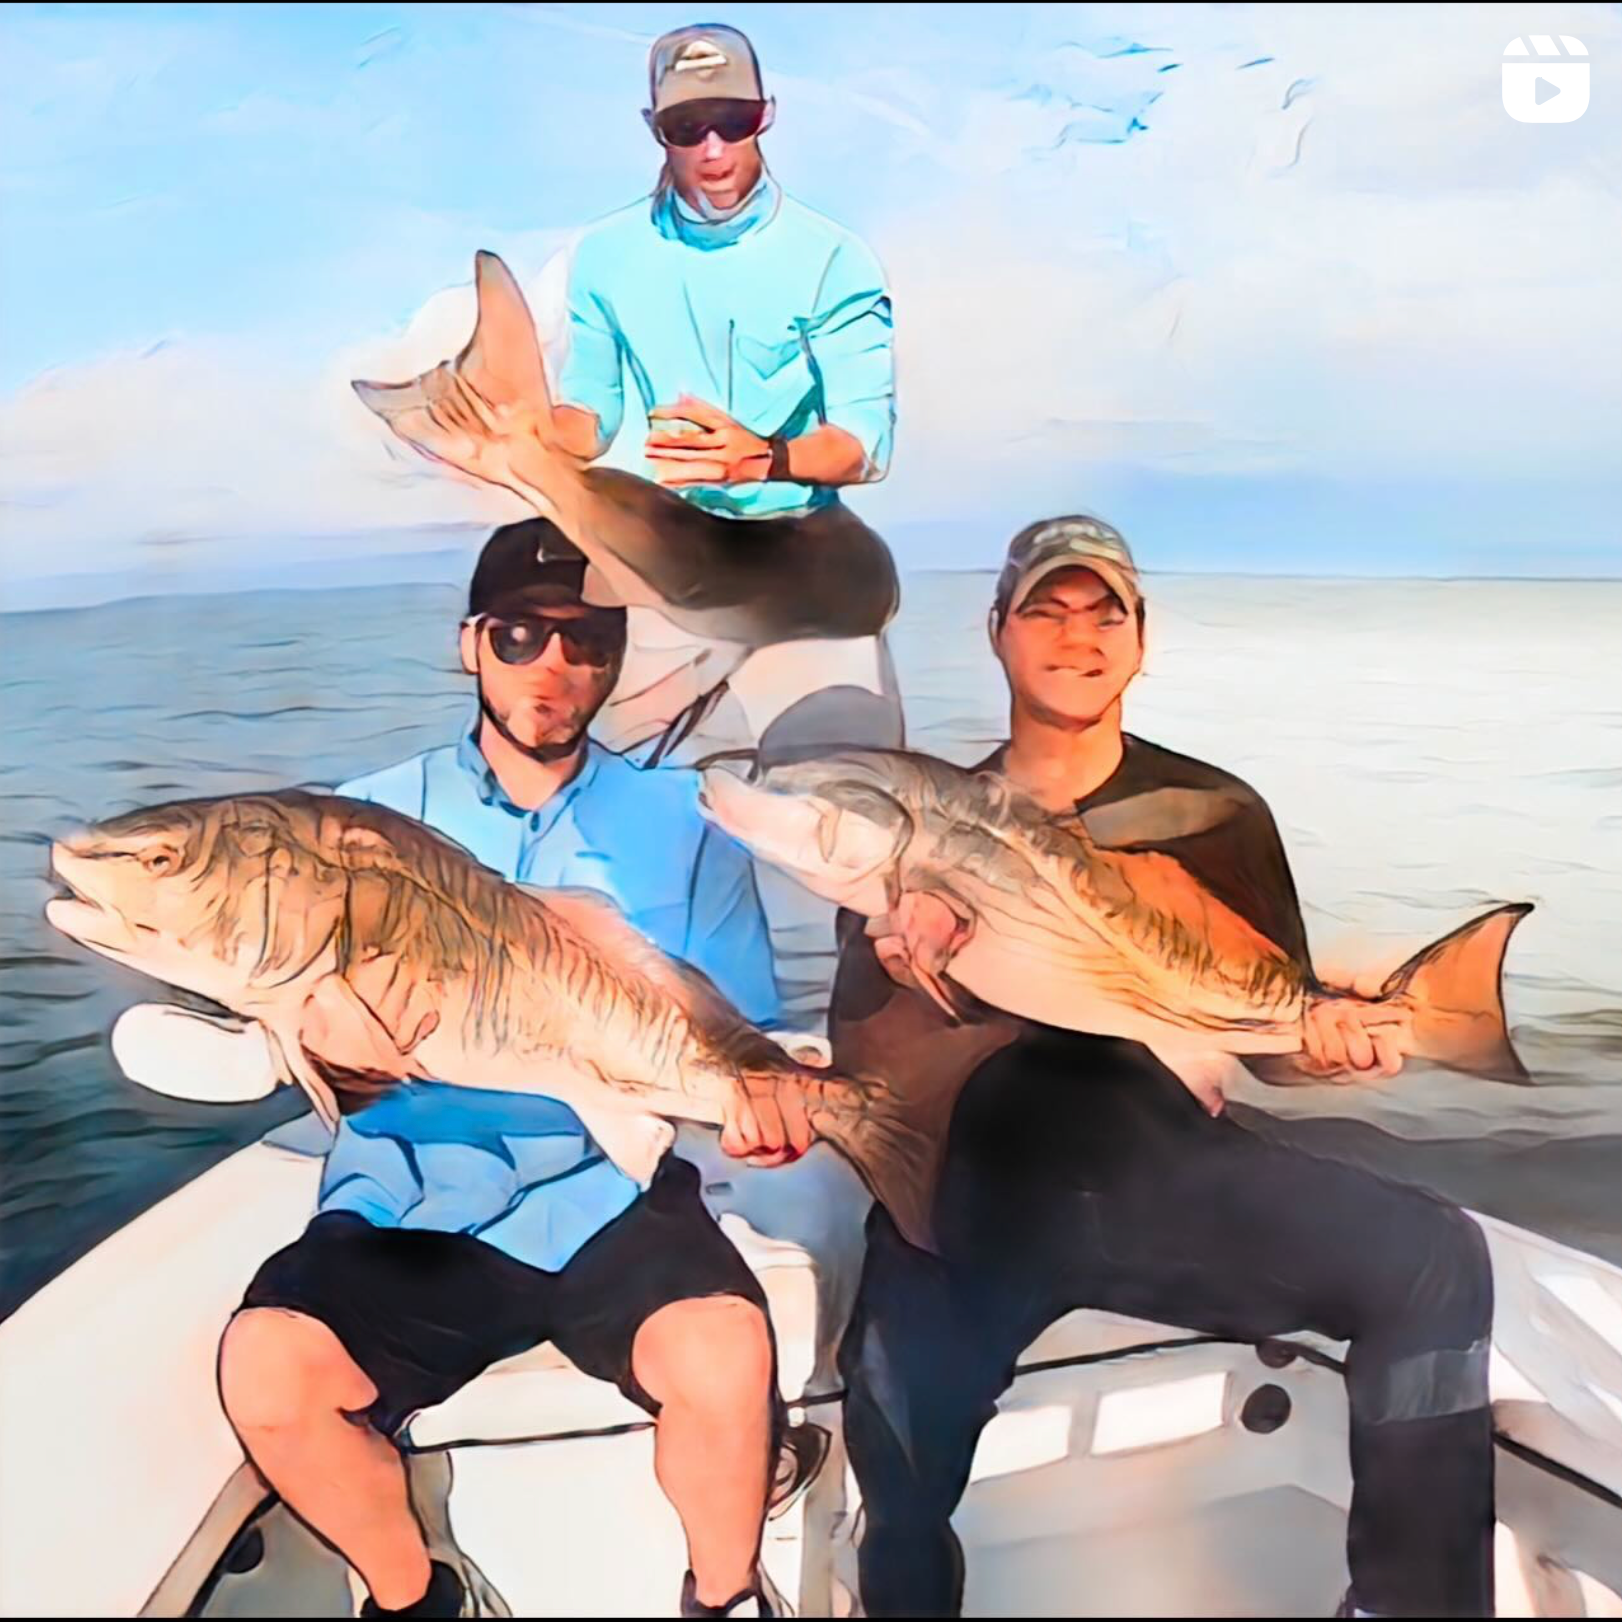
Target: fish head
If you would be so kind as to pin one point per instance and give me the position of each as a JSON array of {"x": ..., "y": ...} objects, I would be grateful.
[
  {"x": 835, "y": 824},
  {"x": 220, "y": 897}
]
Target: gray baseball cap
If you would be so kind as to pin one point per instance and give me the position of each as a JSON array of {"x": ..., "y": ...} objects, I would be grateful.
[
  {"x": 705, "y": 62},
  {"x": 1073, "y": 542}
]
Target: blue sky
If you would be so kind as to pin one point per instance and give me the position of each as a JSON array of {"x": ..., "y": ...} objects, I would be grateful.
[{"x": 1277, "y": 287}]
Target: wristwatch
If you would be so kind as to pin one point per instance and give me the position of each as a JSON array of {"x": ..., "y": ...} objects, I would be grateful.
[{"x": 777, "y": 467}]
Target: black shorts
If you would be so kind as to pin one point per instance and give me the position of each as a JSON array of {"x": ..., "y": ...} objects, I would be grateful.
[{"x": 423, "y": 1312}]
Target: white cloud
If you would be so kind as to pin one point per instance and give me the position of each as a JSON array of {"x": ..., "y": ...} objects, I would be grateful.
[
  {"x": 1385, "y": 278},
  {"x": 215, "y": 441}
]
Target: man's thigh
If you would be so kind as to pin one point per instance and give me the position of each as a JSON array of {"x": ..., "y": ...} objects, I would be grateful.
[
  {"x": 1088, "y": 1164},
  {"x": 664, "y": 1249},
  {"x": 1231, "y": 1235},
  {"x": 420, "y": 1313}
]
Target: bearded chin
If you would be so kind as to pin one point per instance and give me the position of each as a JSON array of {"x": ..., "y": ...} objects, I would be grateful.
[{"x": 543, "y": 753}]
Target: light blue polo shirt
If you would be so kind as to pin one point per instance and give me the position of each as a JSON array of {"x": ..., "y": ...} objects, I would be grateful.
[
  {"x": 775, "y": 314},
  {"x": 521, "y": 1172}
]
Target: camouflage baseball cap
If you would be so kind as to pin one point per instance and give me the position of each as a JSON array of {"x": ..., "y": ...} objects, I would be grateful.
[
  {"x": 707, "y": 62},
  {"x": 1074, "y": 542}
]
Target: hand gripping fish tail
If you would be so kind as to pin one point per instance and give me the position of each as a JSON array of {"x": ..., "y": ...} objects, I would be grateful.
[
  {"x": 1453, "y": 991},
  {"x": 898, "y": 1159},
  {"x": 1048, "y": 922},
  {"x": 377, "y": 953}
]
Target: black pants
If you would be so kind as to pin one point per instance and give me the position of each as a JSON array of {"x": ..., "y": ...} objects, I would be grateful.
[{"x": 1080, "y": 1173}]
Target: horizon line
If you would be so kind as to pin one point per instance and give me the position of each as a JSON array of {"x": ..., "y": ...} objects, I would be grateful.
[{"x": 283, "y": 588}]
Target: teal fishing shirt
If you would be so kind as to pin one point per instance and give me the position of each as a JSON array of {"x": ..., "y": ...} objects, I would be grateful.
[
  {"x": 521, "y": 1172},
  {"x": 775, "y": 314}
]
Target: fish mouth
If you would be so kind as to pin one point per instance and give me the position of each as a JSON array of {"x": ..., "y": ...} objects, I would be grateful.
[
  {"x": 740, "y": 763},
  {"x": 77, "y": 912}
]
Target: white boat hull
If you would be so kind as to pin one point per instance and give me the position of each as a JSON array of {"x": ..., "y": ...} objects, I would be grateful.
[{"x": 1120, "y": 1477}]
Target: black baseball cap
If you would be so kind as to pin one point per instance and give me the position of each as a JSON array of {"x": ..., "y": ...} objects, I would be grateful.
[{"x": 520, "y": 559}]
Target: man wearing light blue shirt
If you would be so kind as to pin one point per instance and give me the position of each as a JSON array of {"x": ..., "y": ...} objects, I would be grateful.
[
  {"x": 757, "y": 335},
  {"x": 458, "y": 1227}
]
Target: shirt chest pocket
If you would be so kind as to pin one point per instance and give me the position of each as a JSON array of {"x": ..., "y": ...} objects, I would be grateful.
[{"x": 771, "y": 376}]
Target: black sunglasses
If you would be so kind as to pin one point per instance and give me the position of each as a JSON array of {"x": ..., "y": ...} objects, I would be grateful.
[
  {"x": 520, "y": 639},
  {"x": 688, "y": 123}
]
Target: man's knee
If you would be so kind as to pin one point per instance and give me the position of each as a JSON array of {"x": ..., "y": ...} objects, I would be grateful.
[
  {"x": 279, "y": 1368},
  {"x": 1448, "y": 1294},
  {"x": 713, "y": 1353},
  {"x": 1424, "y": 1351}
]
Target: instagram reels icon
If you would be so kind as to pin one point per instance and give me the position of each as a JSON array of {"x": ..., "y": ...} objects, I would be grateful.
[{"x": 1552, "y": 88}]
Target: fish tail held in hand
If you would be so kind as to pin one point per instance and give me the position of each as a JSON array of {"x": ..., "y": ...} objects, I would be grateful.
[
  {"x": 461, "y": 411},
  {"x": 1453, "y": 990},
  {"x": 502, "y": 361},
  {"x": 899, "y": 1161}
]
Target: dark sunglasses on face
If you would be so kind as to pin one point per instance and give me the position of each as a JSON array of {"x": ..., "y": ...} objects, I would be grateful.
[
  {"x": 520, "y": 639},
  {"x": 689, "y": 123}
]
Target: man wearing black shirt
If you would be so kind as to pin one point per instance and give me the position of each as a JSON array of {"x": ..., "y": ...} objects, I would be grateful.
[{"x": 1080, "y": 1172}]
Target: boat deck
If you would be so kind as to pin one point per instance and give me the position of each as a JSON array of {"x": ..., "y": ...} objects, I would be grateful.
[{"x": 1131, "y": 1470}]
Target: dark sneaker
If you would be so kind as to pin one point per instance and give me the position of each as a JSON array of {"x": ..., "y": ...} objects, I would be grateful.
[
  {"x": 444, "y": 1597},
  {"x": 750, "y": 1601}
]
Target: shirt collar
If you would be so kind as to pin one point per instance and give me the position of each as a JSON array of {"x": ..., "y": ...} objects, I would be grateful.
[
  {"x": 470, "y": 758},
  {"x": 674, "y": 219}
]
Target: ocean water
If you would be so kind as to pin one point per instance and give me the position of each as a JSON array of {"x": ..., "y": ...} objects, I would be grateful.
[{"x": 1429, "y": 748}]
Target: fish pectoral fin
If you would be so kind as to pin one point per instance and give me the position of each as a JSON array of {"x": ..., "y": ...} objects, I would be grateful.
[
  {"x": 339, "y": 1028},
  {"x": 932, "y": 926},
  {"x": 305, "y": 1074},
  {"x": 939, "y": 990},
  {"x": 400, "y": 1001}
]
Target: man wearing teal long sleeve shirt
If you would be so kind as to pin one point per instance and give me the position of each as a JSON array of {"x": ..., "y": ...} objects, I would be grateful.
[{"x": 757, "y": 335}]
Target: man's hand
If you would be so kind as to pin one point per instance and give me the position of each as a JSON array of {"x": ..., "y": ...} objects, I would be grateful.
[
  {"x": 718, "y": 451},
  {"x": 917, "y": 942},
  {"x": 1345, "y": 1038},
  {"x": 766, "y": 1123}
]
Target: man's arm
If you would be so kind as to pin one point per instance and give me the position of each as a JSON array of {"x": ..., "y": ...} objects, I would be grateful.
[
  {"x": 852, "y": 343},
  {"x": 720, "y": 450},
  {"x": 849, "y": 337},
  {"x": 590, "y": 404},
  {"x": 1344, "y": 1037}
]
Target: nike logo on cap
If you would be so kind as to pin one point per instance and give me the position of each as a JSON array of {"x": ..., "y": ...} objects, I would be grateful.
[{"x": 702, "y": 53}]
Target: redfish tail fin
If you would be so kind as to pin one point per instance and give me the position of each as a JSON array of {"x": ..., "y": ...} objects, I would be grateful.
[
  {"x": 502, "y": 360},
  {"x": 1454, "y": 989},
  {"x": 502, "y": 366},
  {"x": 898, "y": 1159}
]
